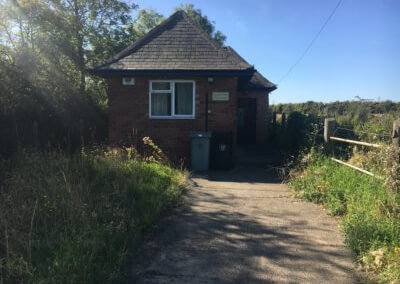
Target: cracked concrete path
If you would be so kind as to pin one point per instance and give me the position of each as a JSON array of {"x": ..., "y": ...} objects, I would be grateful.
[{"x": 242, "y": 226}]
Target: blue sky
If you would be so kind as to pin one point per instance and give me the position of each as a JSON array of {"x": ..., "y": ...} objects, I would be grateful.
[{"x": 357, "y": 54}]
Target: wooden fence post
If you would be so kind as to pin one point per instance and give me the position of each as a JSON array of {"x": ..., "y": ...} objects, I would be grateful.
[
  {"x": 69, "y": 143},
  {"x": 329, "y": 130},
  {"x": 273, "y": 134},
  {"x": 36, "y": 135},
  {"x": 396, "y": 133},
  {"x": 283, "y": 118},
  {"x": 18, "y": 142},
  {"x": 82, "y": 134}
]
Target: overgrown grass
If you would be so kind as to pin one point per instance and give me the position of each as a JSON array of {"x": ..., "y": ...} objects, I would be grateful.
[
  {"x": 74, "y": 220},
  {"x": 369, "y": 212}
]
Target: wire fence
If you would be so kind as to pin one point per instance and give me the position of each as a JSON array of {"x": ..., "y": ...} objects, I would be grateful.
[
  {"x": 363, "y": 132},
  {"x": 330, "y": 130}
]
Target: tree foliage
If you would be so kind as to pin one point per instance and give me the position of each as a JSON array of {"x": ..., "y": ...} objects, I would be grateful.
[
  {"x": 207, "y": 25},
  {"x": 357, "y": 109},
  {"x": 145, "y": 21},
  {"x": 363, "y": 120},
  {"x": 45, "y": 48}
]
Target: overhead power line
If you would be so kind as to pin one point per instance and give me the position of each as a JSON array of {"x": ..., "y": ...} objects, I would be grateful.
[{"x": 311, "y": 42}]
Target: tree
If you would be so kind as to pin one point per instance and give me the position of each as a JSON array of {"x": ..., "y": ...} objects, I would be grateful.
[
  {"x": 207, "y": 25},
  {"x": 86, "y": 31},
  {"x": 45, "y": 48},
  {"x": 145, "y": 21}
]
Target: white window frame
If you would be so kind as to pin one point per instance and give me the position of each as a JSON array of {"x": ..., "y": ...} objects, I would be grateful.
[{"x": 172, "y": 92}]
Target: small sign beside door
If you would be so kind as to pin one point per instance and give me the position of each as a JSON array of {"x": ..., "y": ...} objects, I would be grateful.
[{"x": 220, "y": 96}]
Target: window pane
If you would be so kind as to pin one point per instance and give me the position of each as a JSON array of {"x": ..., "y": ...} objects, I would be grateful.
[
  {"x": 161, "y": 86},
  {"x": 161, "y": 104},
  {"x": 184, "y": 98}
]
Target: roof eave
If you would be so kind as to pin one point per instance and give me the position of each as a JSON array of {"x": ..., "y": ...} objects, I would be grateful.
[
  {"x": 175, "y": 72},
  {"x": 267, "y": 89}
]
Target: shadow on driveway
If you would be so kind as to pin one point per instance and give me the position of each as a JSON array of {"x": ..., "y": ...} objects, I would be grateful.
[{"x": 242, "y": 226}]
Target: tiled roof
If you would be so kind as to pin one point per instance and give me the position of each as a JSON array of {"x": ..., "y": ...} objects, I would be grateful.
[
  {"x": 177, "y": 44},
  {"x": 256, "y": 81}
]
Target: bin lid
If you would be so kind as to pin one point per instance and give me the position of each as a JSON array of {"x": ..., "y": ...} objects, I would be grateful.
[{"x": 200, "y": 134}]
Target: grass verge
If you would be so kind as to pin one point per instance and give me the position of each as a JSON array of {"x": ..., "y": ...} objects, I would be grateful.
[
  {"x": 370, "y": 214},
  {"x": 74, "y": 220}
]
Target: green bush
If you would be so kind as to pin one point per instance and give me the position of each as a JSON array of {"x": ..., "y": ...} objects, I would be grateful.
[
  {"x": 378, "y": 127},
  {"x": 75, "y": 219},
  {"x": 370, "y": 212}
]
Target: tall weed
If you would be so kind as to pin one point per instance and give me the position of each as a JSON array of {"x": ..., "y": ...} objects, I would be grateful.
[
  {"x": 74, "y": 219},
  {"x": 369, "y": 211}
]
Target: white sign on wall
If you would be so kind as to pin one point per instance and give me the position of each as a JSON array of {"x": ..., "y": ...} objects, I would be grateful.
[{"x": 220, "y": 96}]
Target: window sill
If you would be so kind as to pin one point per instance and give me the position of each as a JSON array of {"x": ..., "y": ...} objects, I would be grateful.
[{"x": 172, "y": 117}]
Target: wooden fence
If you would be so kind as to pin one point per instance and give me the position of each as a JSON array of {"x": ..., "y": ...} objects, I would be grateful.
[
  {"x": 16, "y": 136},
  {"x": 329, "y": 139}
]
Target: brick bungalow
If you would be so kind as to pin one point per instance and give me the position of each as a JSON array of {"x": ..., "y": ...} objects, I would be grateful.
[{"x": 176, "y": 80}]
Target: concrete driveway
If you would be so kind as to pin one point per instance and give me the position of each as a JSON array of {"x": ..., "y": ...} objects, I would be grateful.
[{"x": 242, "y": 226}]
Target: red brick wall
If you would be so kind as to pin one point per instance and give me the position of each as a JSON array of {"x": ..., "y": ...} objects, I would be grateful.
[
  {"x": 262, "y": 113},
  {"x": 129, "y": 108}
]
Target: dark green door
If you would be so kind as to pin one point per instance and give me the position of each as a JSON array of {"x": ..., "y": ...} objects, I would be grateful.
[{"x": 246, "y": 120}]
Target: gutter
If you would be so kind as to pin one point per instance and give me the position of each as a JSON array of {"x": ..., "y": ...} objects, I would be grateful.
[{"x": 205, "y": 73}]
